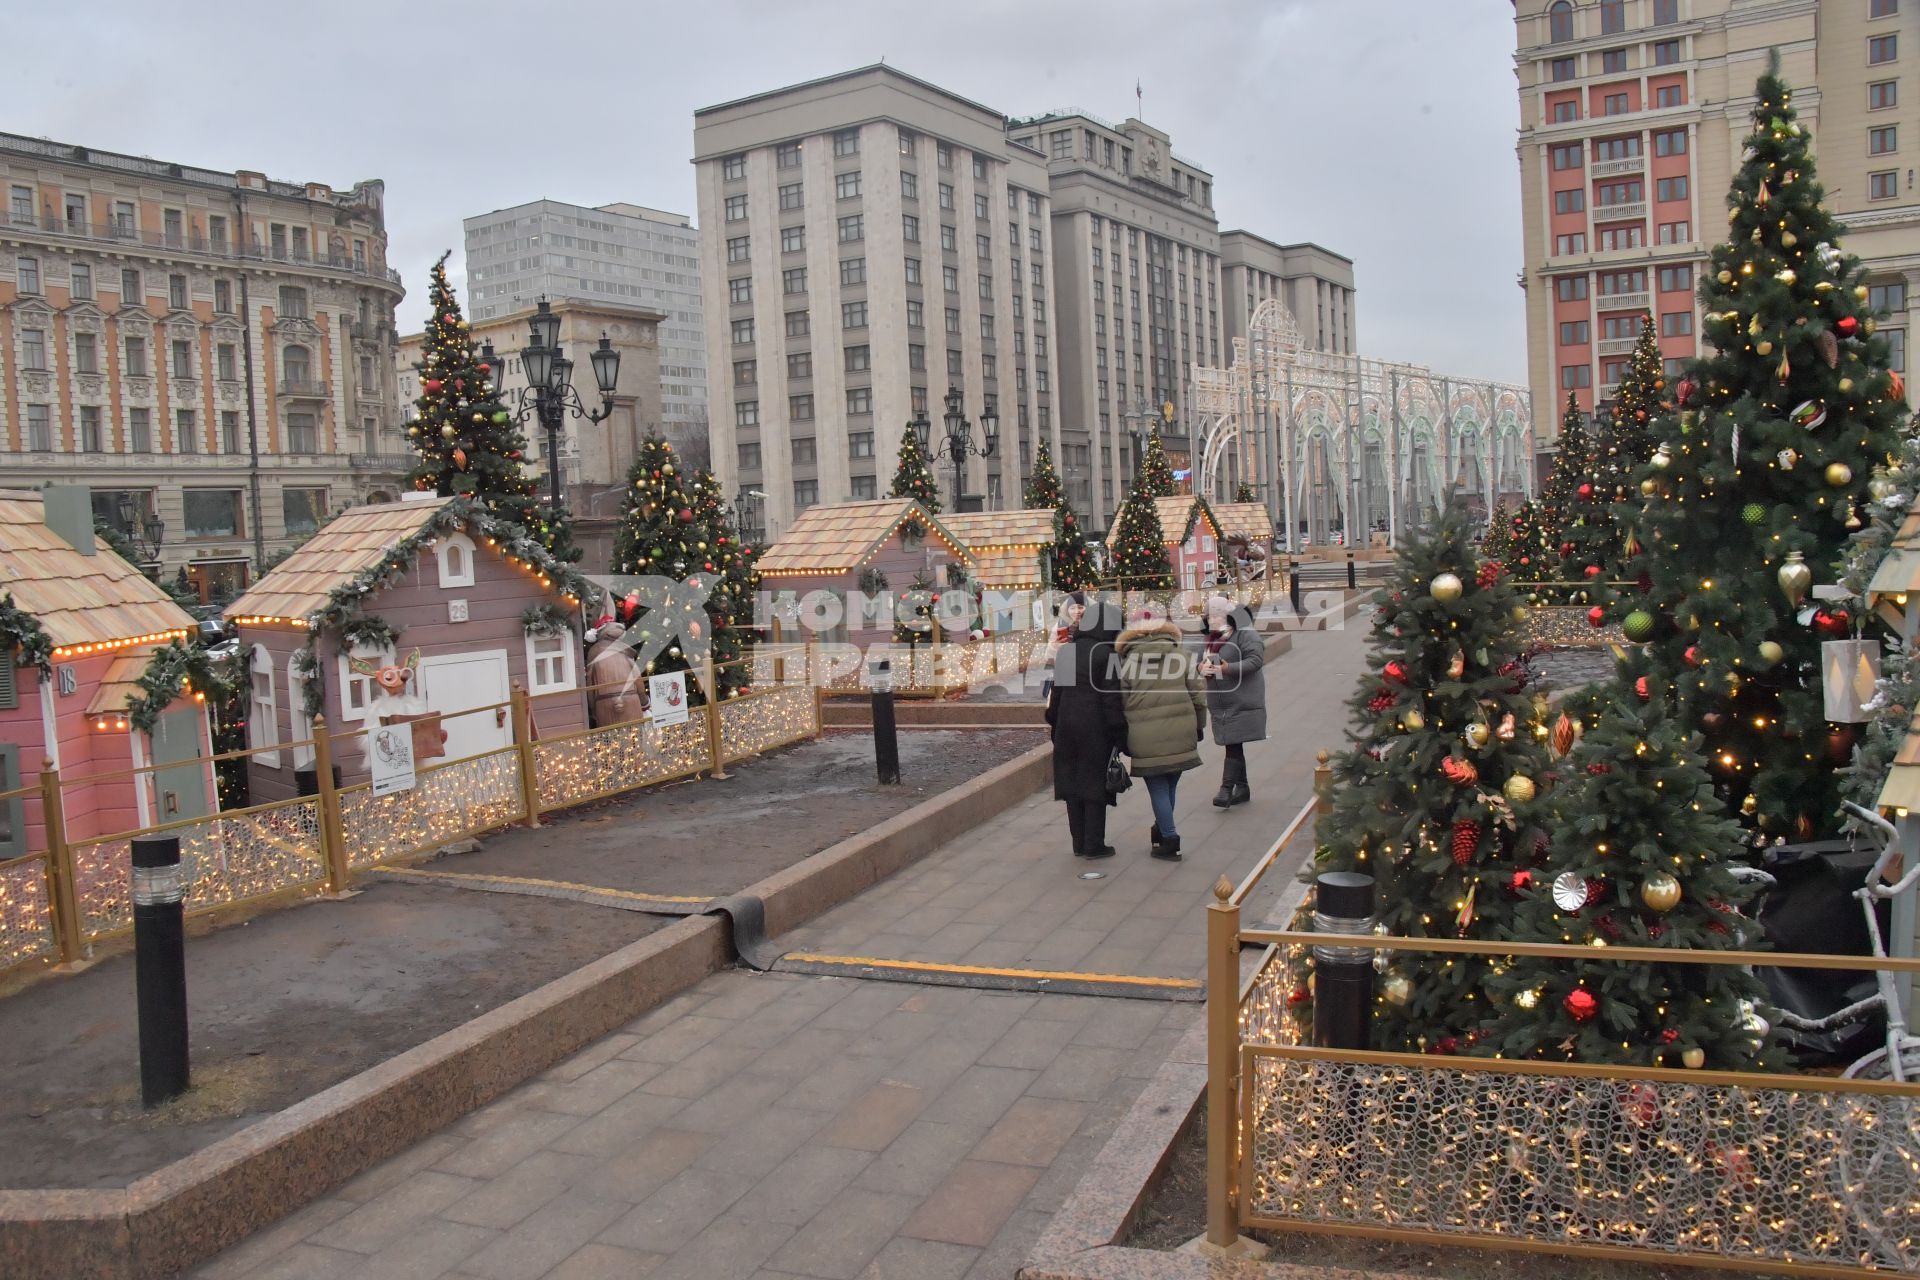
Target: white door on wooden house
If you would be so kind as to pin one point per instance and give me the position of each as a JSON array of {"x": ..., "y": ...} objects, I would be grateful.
[
  {"x": 455, "y": 682},
  {"x": 179, "y": 747}
]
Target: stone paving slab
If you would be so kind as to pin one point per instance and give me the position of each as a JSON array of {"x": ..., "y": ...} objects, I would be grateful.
[{"x": 803, "y": 1127}]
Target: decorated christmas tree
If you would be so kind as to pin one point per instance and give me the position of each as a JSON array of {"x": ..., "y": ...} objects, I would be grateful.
[
  {"x": 1438, "y": 796},
  {"x": 913, "y": 478},
  {"x": 1756, "y": 480},
  {"x": 1498, "y": 543},
  {"x": 465, "y": 437},
  {"x": 1070, "y": 559},
  {"x": 1641, "y": 856},
  {"x": 1542, "y": 549},
  {"x": 1138, "y": 558},
  {"x": 1156, "y": 473},
  {"x": 1245, "y": 493},
  {"x": 1599, "y": 541}
]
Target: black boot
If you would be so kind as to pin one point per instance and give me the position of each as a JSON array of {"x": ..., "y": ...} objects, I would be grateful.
[
  {"x": 1237, "y": 781},
  {"x": 1223, "y": 798},
  {"x": 1095, "y": 820},
  {"x": 1168, "y": 849}
]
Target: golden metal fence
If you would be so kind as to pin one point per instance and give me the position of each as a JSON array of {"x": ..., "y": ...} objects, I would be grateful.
[
  {"x": 59, "y": 900},
  {"x": 1793, "y": 1174}
]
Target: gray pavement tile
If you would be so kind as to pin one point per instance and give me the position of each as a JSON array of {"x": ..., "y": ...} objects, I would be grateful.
[
  {"x": 620, "y": 1125},
  {"x": 593, "y": 1090},
  {"x": 676, "y": 1213},
  {"x": 310, "y": 1262},
  {"x": 802, "y": 1185},
  {"x": 908, "y": 1259},
  {"x": 921, "y": 1157},
  {"x": 836, "y": 1083},
  {"x": 971, "y": 1204},
  {"x": 935, "y": 1064},
  {"x": 1009, "y": 1251},
  {"x": 419, "y": 1156},
  {"x": 503, "y": 1201},
  {"x": 728, "y": 1247},
  {"x": 1058, "y": 1180},
  {"x": 268, "y": 1243},
  {"x": 1032, "y": 1132},
  {"x": 874, "y": 1119},
  {"x": 656, "y": 1019},
  {"x": 752, "y": 1150},
  {"x": 1062, "y": 1008},
  {"x": 981, "y": 1095},
  {"x": 1124, "y": 1026},
  {"x": 701, "y": 1071},
  {"x": 430, "y": 1250},
  {"x": 598, "y": 1261},
  {"x": 894, "y": 1035},
  {"x": 739, "y": 1101},
  {"x": 545, "y": 1237},
  {"x": 520, "y": 1131},
  {"x": 642, "y": 1168},
  {"x": 800, "y": 1053},
  {"x": 844, "y": 1237},
  {"x": 743, "y": 993},
  {"x": 1080, "y": 1073},
  {"x": 1031, "y": 1043},
  {"x": 866, "y": 1005},
  {"x": 392, "y": 1213},
  {"x": 676, "y": 1039},
  {"x": 590, "y": 1057}
]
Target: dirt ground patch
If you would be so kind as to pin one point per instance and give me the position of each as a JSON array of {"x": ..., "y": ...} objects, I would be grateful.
[
  {"x": 1176, "y": 1212},
  {"x": 293, "y": 1001}
]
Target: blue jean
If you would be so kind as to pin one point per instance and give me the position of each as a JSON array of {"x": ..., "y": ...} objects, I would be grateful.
[{"x": 1160, "y": 789}]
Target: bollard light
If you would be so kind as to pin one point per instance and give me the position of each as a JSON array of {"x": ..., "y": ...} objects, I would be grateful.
[
  {"x": 1342, "y": 976},
  {"x": 160, "y": 967}
]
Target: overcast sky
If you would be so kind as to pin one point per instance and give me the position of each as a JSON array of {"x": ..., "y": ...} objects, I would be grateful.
[{"x": 1382, "y": 129}]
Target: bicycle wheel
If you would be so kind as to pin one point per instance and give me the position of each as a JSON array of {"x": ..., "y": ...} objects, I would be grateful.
[{"x": 1878, "y": 1066}]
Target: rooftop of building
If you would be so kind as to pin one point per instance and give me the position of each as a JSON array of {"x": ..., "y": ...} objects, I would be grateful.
[
  {"x": 1130, "y": 125},
  {"x": 561, "y": 305},
  {"x": 146, "y": 166},
  {"x": 1297, "y": 247},
  {"x": 618, "y": 208},
  {"x": 875, "y": 68}
]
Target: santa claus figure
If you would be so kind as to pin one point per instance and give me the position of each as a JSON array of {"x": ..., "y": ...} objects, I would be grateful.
[{"x": 619, "y": 688}]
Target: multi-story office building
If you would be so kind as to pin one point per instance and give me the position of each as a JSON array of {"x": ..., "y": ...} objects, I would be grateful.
[
  {"x": 874, "y": 240},
  {"x": 1633, "y": 114},
  {"x": 621, "y": 255},
  {"x": 216, "y": 347},
  {"x": 1314, "y": 284}
]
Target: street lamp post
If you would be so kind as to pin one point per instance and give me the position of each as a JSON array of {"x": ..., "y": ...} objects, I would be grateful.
[
  {"x": 549, "y": 396},
  {"x": 144, "y": 528},
  {"x": 746, "y": 513},
  {"x": 959, "y": 442}
]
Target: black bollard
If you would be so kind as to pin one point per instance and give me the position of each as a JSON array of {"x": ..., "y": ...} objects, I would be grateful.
[
  {"x": 160, "y": 968},
  {"x": 1353, "y": 579},
  {"x": 1342, "y": 976},
  {"x": 886, "y": 735},
  {"x": 1293, "y": 586}
]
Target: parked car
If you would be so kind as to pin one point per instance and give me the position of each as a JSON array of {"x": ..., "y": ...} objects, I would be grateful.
[{"x": 210, "y": 632}]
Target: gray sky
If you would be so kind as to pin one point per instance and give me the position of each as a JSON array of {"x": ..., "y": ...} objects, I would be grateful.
[{"x": 1382, "y": 129}]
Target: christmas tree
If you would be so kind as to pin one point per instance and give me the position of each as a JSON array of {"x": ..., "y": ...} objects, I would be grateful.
[
  {"x": 1542, "y": 549},
  {"x": 1437, "y": 798},
  {"x": 1641, "y": 856},
  {"x": 1499, "y": 540},
  {"x": 1156, "y": 473},
  {"x": 913, "y": 478},
  {"x": 1599, "y": 538},
  {"x": 1755, "y": 482},
  {"x": 1138, "y": 559},
  {"x": 465, "y": 437},
  {"x": 1069, "y": 558},
  {"x": 1245, "y": 493},
  {"x": 677, "y": 525}
]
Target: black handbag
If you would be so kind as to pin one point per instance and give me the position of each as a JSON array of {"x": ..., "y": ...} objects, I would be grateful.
[{"x": 1117, "y": 777}]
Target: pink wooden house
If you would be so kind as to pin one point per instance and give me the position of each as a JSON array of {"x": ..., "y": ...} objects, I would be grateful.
[
  {"x": 1192, "y": 536},
  {"x": 870, "y": 548},
  {"x": 96, "y": 621},
  {"x": 483, "y": 607}
]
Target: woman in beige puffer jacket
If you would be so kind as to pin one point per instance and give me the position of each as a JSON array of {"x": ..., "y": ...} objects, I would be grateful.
[{"x": 1166, "y": 714}]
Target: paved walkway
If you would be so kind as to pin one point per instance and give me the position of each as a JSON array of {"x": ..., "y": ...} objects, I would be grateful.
[{"x": 784, "y": 1125}]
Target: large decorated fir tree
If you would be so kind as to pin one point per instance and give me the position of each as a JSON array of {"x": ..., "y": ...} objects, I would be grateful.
[
  {"x": 1599, "y": 540},
  {"x": 1439, "y": 794},
  {"x": 1751, "y": 490},
  {"x": 1070, "y": 559},
  {"x": 1641, "y": 856},
  {"x": 1138, "y": 560},
  {"x": 913, "y": 478},
  {"x": 1541, "y": 548},
  {"x": 466, "y": 439},
  {"x": 1155, "y": 472},
  {"x": 1244, "y": 493},
  {"x": 1498, "y": 543}
]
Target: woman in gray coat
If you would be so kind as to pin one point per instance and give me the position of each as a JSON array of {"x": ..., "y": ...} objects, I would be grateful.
[{"x": 1236, "y": 693}]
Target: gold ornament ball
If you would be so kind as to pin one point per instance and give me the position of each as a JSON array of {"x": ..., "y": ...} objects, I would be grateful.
[
  {"x": 1446, "y": 587},
  {"x": 1661, "y": 459},
  {"x": 1846, "y": 384},
  {"x": 1526, "y": 999},
  {"x": 1839, "y": 474},
  {"x": 1751, "y": 805},
  {"x": 1694, "y": 1059},
  {"x": 1763, "y": 347},
  {"x": 1415, "y": 722},
  {"x": 1726, "y": 277},
  {"x": 1520, "y": 788},
  {"x": 1860, "y": 293},
  {"x": 1771, "y": 653},
  {"x": 1648, "y": 488},
  {"x": 1788, "y": 239},
  {"x": 1519, "y": 613},
  {"x": 1660, "y": 891},
  {"x": 1397, "y": 988},
  {"x": 1478, "y": 734}
]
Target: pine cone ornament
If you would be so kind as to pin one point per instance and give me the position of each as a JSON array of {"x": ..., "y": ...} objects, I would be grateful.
[
  {"x": 1382, "y": 700},
  {"x": 1466, "y": 838},
  {"x": 1596, "y": 890}
]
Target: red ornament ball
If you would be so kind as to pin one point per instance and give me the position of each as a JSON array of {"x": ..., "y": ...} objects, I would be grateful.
[
  {"x": 1692, "y": 655},
  {"x": 1832, "y": 624},
  {"x": 1596, "y": 617},
  {"x": 1585, "y": 491},
  {"x": 1520, "y": 881},
  {"x": 1642, "y": 689},
  {"x": 686, "y": 516},
  {"x": 1395, "y": 671},
  {"x": 1847, "y": 325},
  {"x": 1593, "y": 571},
  {"x": 1580, "y": 1004},
  {"x": 433, "y": 386}
]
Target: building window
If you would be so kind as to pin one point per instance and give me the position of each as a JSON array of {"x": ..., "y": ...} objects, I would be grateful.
[
  {"x": 177, "y": 292},
  {"x": 136, "y": 362},
  {"x": 791, "y": 196},
  {"x": 1562, "y": 246},
  {"x": 953, "y": 321},
  {"x": 913, "y": 271},
  {"x": 1566, "y": 155},
  {"x": 1897, "y": 350},
  {"x": 1574, "y": 201},
  {"x": 263, "y": 713},
  {"x": 794, "y": 280},
  {"x": 786, "y": 155},
  {"x": 916, "y": 356},
  {"x": 211, "y": 513},
  {"x": 738, "y": 247},
  {"x": 223, "y": 297},
  {"x": 20, "y": 206},
  {"x": 793, "y": 239},
  {"x": 743, "y": 331},
  {"x": 1614, "y": 105},
  {"x": 740, "y": 289},
  {"x": 1670, "y": 142},
  {"x": 1884, "y": 185},
  {"x": 1883, "y": 49},
  {"x": 846, "y": 142},
  {"x": 910, "y": 228},
  {"x": 1675, "y": 232},
  {"x": 549, "y": 663},
  {"x": 1883, "y": 140},
  {"x": 183, "y": 361},
  {"x": 1666, "y": 53},
  {"x": 293, "y": 302},
  {"x": 131, "y": 293},
  {"x": 749, "y": 456},
  {"x": 950, "y": 279},
  {"x": 1888, "y": 298},
  {"x": 805, "y": 494},
  {"x": 949, "y": 239},
  {"x": 1573, "y": 332},
  {"x": 302, "y": 435},
  {"x": 865, "y": 488},
  {"x": 302, "y": 510},
  {"x": 857, "y": 359},
  {"x": 746, "y": 372},
  {"x": 853, "y": 315},
  {"x": 33, "y": 349},
  {"x": 1666, "y": 12},
  {"x": 1613, "y": 17},
  {"x": 39, "y": 429},
  {"x": 1676, "y": 324},
  {"x": 909, "y": 186},
  {"x": 1613, "y": 62},
  {"x": 1575, "y": 375},
  {"x": 82, "y": 278},
  {"x": 28, "y": 273},
  {"x": 140, "y": 430},
  {"x": 1564, "y": 69},
  {"x": 1883, "y": 8},
  {"x": 800, "y": 364},
  {"x": 986, "y": 285},
  {"x": 86, "y": 353},
  {"x": 1671, "y": 188},
  {"x": 846, "y": 186},
  {"x": 1563, "y": 113},
  {"x": 1670, "y": 95},
  {"x": 800, "y": 409},
  {"x": 953, "y": 364},
  {"x": 1615, "y": 283},
  {"x": 859, "y": 400},
  {"x": 733, "y": 168},
  {"x": 1629, "y": 237},
  {"x": 1676, "y": 279},
  {"x": 746, "y": 413},
  {"x": 852, "y": 228},
  {"x": 90, "y": 429},
  {"x": 230, "y": 431},
  {"x": 859, "y": 444},
  {"x": 1883, "y": 94}
]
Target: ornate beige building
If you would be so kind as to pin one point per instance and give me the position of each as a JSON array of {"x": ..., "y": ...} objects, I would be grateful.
[{"x": 217, "y": 347}]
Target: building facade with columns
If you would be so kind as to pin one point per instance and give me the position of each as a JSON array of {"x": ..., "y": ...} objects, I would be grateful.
[
  {"x": 216, "y": 347},
  {"x": 1633, "y": 114}
]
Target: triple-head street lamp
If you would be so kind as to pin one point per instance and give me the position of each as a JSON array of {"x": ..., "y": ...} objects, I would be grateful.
[
  {"x": 549, "y": 395},
  {"x": 959, "y": 440},
  {"x": 145, "y": 529}
]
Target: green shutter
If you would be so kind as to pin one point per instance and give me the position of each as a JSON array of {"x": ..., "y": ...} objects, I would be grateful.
[{"x": 9, "y": 692}]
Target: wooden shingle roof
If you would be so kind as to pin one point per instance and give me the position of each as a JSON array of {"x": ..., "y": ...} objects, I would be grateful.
[
  {"x": 1899, "y": 571},
  {"x": 345, "y": 547},
  {"x": 1902, "y": 787},
  {"x": 1007, "y": 546},
  {"x": 121, "y": 684},
  {"x": 843, "y": 536},
  {"x": 79, "y": 600},
  {"x": 1244, "y": 520},
  {"x": 1176, "y": 514}
]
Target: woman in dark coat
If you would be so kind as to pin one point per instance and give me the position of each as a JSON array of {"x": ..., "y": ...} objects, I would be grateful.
[
  {"x": 1236, "y": 693},
  {"x": 1088, "y": 720}
]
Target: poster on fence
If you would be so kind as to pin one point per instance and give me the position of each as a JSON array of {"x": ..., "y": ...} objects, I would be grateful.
[
  {"x": 667, "y": 698},
  {"x": 391, "y": 758}
]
